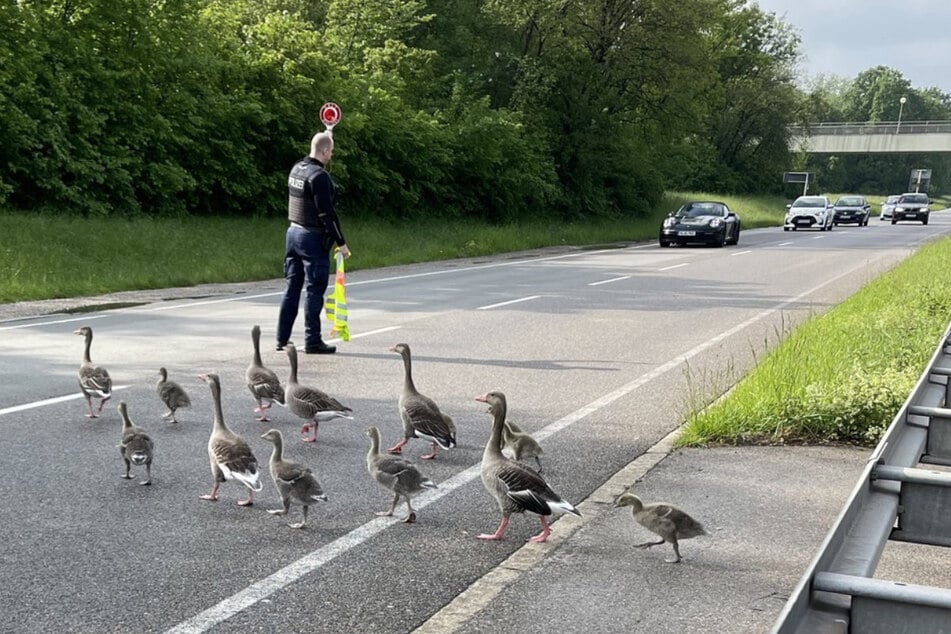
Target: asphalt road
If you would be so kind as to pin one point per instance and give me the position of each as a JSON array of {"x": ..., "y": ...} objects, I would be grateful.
[{"x": 599, "y": 351}]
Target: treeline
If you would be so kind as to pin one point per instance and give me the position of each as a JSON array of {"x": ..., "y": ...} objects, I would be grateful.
[{"x": 496, "y": 109}]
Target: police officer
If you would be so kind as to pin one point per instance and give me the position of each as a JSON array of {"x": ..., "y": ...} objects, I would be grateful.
[{"x": 314, "y": 229}]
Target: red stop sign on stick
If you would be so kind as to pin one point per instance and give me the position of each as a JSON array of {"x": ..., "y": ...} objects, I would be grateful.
[{"x": 330, "y": 115}]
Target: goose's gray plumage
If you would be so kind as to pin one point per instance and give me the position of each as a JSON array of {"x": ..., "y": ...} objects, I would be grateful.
[
  {"x": 518, "y": 445},
  {"x": 136, "y": 447},
  {"x": 420, "y": 415},
  {"x": 94, "y": 380},
  {"x": 396, "y": 474},
  {"x": 172, "y": 394},
  {"x": 294, "y": 482},
  {"x": 262, "y": 381},
  {"x": 667, "y": 521},
  {"x": 309, "y": 403},
  {"x": 230, "y": 456},
  {"x": 515, "y": 487}
]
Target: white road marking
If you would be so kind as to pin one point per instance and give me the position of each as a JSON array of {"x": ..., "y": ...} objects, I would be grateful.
[
  {"x": 58, "y": 321},
  {"x": 368, "y": 333},
  {"x": 740, "y": 253},
  {"x": 818, "y": 237},
  {"x": 511, "y": 301},
  {"x": 50, "y": 401},
  {"x": 675, "y": 266},
  {"x": 614, "y": 279},
  {"x": 264, "y": 588},
  {"x": 784, "y": 244},
  {"x": 239, "y": 298}
]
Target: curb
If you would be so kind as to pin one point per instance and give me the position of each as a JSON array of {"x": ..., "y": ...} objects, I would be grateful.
[{"x": 477, "y": 596}]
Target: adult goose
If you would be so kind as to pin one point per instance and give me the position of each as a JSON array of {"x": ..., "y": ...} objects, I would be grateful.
[
  {"x": 229, "y": 454},
  {"x": 263, "y": 382},
  {"x": 135, "y": 446},
  {"x": 515, "y": 487},
  {"x": 94, "y": 380},
  {"x": 420, "y": 414},
  {"x": 309, "y": 403},
  {"x": 396, "y": 474},
  {"x": 294, "y": 482},
  {"x": 518, "y": 445},
  {"x": 665, "y": 520},
  {"x": 172, "y": 394}
]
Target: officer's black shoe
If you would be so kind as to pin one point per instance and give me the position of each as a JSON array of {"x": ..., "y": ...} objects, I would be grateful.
[{"x": 320, "y": 348}]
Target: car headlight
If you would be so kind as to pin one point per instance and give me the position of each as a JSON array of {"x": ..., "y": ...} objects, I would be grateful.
[
  {"x": 716, "y": 222},
  {"x": 669, "y": 222}
]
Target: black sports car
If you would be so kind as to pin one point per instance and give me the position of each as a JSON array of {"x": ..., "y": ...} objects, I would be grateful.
[{"x": 707, "y": 222}]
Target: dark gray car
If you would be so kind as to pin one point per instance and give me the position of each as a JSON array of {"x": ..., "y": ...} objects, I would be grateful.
[
  {"x": 912, "y": 207},
  {"x": 851, "y": 210}
]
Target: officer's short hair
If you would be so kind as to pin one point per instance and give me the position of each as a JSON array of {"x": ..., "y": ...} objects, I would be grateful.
[{"x": 320, "y": 142}]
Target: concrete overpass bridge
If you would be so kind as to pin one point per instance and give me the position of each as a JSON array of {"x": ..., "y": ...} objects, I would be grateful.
[{"x": 910, "y": 137}]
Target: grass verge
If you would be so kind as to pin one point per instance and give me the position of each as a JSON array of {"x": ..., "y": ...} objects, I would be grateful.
[{"x": 841, "y": 376}]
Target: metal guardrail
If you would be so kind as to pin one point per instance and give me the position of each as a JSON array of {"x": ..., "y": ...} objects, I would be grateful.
[
  {"x": 895, "y": 498},
  {"x": 878, "y": 127}
]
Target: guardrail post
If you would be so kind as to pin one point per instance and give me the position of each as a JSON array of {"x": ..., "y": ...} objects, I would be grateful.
[
  {"x": 925, "y": 504},
  {"x": 886, "y": 607},
  {"x": 938, "y": 449}
]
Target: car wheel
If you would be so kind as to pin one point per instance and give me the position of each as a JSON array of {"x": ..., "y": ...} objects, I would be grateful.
[
  {"x": 736, "y": 235},
  {"x": 894, "y": 221},
  {"x": 720, "y": 240},
  {"x": 665, "y": 243},
  {"x": 785, "y": 228},
  {"x": 925, "y": 220}
]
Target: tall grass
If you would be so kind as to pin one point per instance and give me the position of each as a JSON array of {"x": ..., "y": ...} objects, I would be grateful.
[
  {"x": 53, "y": 256},
  {"x": 843, "y": 375}
]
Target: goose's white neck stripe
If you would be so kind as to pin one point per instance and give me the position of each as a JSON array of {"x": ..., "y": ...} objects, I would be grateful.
[{"x": 269, "y": 585}]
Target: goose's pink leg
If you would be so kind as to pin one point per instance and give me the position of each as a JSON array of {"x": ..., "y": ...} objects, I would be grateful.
[
  {"x": 249, "y": 501},
  {"x": 310, "y": 425},
  {"x": 398, "y": 447},
  {"x": 498, "y": 532},
  {"x": 91, "y": 414},
  {"x": 101, "y": 403},
  {"x": 429, "y": 456},
  {"x": 213, "y": 496},
  {"x": 546, "y": 531}
]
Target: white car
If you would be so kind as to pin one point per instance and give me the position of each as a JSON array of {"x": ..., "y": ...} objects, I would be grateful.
[
  {"x": 888, "y": 207},
  {"x": 809, "y": 212}
]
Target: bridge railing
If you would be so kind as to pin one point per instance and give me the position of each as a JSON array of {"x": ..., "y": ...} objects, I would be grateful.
[
  {"x": 895, "y": 499},
  {"x": 878, "y": 127}
]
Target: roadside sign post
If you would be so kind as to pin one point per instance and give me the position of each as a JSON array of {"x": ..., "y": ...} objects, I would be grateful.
[
  {"x": 919, "y": 178},
  {"x": 800, "y": 177},
  {"x": 330, "y": 114}
]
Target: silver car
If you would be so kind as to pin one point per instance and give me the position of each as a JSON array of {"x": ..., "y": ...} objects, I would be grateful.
[
  {"x": 888, "y": 207},
  {"x": 809, "y": 212}
]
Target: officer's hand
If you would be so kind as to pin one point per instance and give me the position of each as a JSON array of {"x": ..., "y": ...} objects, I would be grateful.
[{"x": 345, "y": 250}]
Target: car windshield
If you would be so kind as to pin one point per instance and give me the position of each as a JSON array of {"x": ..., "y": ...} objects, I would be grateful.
[
  {"x": 693, "y": 210},
  {"x": 850, "y": 201},
  {"x": 810, "y": 202},
  {"x": 914, "y": 198}
]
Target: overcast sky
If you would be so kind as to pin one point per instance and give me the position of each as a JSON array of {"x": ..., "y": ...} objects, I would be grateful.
[{"x": 845, "y": 37}]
